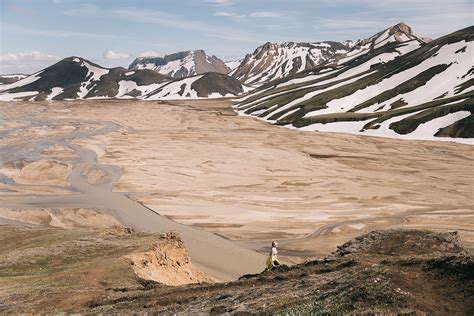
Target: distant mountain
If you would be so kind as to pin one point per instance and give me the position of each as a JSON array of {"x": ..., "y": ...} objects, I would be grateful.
[
  {"x": 398, "y": 33},
  {"x": 232, "y": 64},
  {"x": 393, "y": 84},
  {"x": 349, "y": 43},
  {"x": 5, "y": 79},
  {"x": 76, "y": 78},
  {"x": 208, "y": 85},
  {"x": 273, "y": 61},
  {"x": 182, "y": 64}
]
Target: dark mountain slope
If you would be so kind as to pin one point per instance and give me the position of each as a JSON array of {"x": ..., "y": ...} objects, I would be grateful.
[{"x": 76, "y": 78}]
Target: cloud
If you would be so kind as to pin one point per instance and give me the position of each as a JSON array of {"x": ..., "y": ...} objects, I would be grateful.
[
  {"x": 29, "y": 56},
  {"x": 219, "y": 3},
  {"x": 257, "y": 14},
  {"x": 23, "y": 10},
  {"x": 25, "y": 62},
  {"x": 56, "y": 33},
  {"x": 170, "y": 20},
  {"x": 224, "y": 14},
  {"x": 150, "y": 54},
  {"x": 84, "y": 9},
  {"x": 432, "y": 18},
  {"x": 110, "y": 54},
  {"x": 265, "y": 14}
]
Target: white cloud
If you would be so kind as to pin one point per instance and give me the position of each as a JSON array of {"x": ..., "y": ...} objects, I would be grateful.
[
  {"x": 219, "y": 3},
  {"x": 265, "y": 14},
  {"x": 110, "y": 54},
  {"x": 150, "y": 54},
  {"x": 25, "y": 62},
  {"x": 85, "y": 9},
  {"x": 56, "y": 33},
  {"x": 179, "y": 22},
  {"x": 29, "y": 56},
  {"x": 256, "y": 14},
  {"x": 224, "y": 14}
]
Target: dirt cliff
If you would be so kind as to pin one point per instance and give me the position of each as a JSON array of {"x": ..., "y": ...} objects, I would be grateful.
[{"x": 168, "y": 263}]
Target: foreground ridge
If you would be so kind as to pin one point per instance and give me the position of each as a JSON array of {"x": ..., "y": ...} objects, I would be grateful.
[{"x": 416, "y": 271}]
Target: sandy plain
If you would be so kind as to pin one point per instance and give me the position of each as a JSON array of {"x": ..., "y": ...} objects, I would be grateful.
[{"x": 229, "y": 184}]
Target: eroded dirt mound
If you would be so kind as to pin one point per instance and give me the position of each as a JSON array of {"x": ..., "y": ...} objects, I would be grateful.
[
  {"x": 168, "y": 263},
  {"x": 39, "y": 171}
]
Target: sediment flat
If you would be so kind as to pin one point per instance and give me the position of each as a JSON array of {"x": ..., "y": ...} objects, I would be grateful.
[{"x": 228, "y": 184}]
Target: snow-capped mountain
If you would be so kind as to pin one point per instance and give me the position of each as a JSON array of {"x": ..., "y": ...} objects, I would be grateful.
[
  {"x": 182, "y": 64},
  {"x": 208, "y": 85},
  {"x": 76, "y": 78},
  {"x": 5, "y": 79},
  {"x": 232, "y": 64},
  {"x": 273, "y": 61},
  {"x": 349, "y": 43},
  {"x": 410, "y": 89},
  {"x": 398, "y": 33}
]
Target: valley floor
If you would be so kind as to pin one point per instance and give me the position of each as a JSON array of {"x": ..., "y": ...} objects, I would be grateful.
[{"x": 76, "y": 164}]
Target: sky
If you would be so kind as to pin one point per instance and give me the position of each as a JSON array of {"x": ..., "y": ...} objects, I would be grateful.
[{"x": 38, "y": 33}]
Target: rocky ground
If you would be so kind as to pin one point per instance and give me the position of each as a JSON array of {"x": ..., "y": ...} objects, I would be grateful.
[{"x": 84, "y": 270}]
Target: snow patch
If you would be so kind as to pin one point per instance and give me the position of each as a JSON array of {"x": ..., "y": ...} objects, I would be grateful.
[{"x": 54, "y": 92}]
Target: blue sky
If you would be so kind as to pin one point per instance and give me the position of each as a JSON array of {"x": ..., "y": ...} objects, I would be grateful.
[{"x": 37, "y": 33}]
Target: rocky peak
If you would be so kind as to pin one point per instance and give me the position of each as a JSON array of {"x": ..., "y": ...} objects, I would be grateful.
[
  {"x": 181, "y": 64},
  {"x": 401, "y": 27}
]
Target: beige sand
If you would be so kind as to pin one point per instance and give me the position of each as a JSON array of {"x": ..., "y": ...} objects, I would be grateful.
[
  {"x": 37, "y": 172},
  {"x": 63, "y": 218},
  {"x": 199, "y": 164}
]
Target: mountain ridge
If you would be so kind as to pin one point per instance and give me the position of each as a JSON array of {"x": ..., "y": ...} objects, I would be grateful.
[
  {"x": 181, "y": 64},
  {"x": 365, "y": 93},
  {"x": 272, "y": 60},
  {"x": 77, "y": 78}
]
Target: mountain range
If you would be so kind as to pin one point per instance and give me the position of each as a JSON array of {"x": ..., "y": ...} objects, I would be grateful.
[
  {"x": 274, "y": 61},
  {"x": 393, "y": 83},
  {"x": 382, "y": 87},
  {"x": 77, "y": 78}
]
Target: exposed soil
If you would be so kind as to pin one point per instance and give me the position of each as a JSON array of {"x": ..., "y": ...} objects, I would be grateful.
[
  {"x": 396, "y": 271},
  {"x": 168, "y": 263}
]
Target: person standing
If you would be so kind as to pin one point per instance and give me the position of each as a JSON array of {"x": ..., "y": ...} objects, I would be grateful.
[{"x": 272, "y": 260}]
